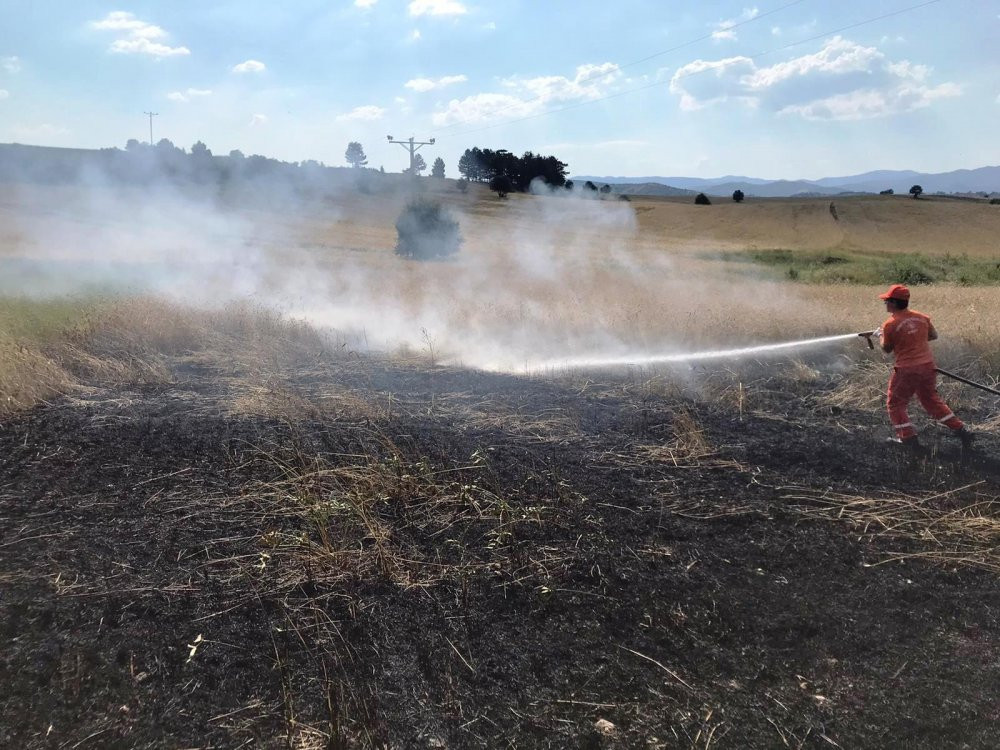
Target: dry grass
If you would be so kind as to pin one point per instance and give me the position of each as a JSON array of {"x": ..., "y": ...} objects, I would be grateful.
[
  {"x": 48, "y": 349},
  {"x": 960, "y": 527}
]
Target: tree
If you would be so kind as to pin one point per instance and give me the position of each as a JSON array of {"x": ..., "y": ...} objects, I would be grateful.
[
  {"x": 438, "y": 169},
  {"x": 419, "y": 165},
  {"x": 890, "y": 191},
  {"x": 462, "y": 184},
  {"x": 568, "y": 185},
  {"x": 501, "y": 185},
  {"x": 738, "y": 196},
  {"x": 355, "y": 155},
  {"x": 916, "y": 190},
  {"x": 605, "y": 189},
  {"x": 200, "y": 151},
  {"x": 236, "y": 155},
  {"x": 427, "y": 231},
  {"x": 702, "y": 200},
  {"x": 590, "y": 186}
]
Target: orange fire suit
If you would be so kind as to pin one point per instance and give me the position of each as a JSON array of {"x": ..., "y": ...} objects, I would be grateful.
[{"x": 907, "y": 334}]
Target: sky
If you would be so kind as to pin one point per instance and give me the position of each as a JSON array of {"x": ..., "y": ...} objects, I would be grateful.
[{"x": 772, "y": 89}]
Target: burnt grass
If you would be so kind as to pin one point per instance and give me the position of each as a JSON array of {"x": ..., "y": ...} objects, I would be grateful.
[{"x": 385, "y": 554}]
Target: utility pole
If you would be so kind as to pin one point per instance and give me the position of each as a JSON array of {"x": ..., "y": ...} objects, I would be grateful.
[
  {"x": 151, "y": 116},
  {"x": 412, "y": 146}
]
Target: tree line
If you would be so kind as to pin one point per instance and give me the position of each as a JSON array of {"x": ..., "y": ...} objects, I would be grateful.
[{"x": 486, "y": 165}]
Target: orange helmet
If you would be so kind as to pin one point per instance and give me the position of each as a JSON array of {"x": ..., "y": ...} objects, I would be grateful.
[{"x": 896, "y": 291}]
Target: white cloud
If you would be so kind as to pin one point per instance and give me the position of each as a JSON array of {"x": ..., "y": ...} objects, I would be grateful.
[
  {"x": 436, "y": 8},
  {"x": 421, "y": 85},
  {"x": 843, "y": 81},
  {"x": 188, "y": 95},
  {"x": 4, "y": 94},
  {"x": 365, "y": 3},
  {"x": 258, "y": 120},
  {"x": 415, "y": 35},
  {"x": 250, "y": 66},
  {"x": 10, "y": 64},
  {"x": 135, "y": 37},
  {"x": 490, "y": 26},
  {"x": 527, "y": 96},
  {"x": 724, "y": 29},
  {"x": 367, "y": 113},
  {"x": 776, "y": 30}
]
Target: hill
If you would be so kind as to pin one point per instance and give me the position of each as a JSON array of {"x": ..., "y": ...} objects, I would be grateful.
[{"x": 983, "y": 179}]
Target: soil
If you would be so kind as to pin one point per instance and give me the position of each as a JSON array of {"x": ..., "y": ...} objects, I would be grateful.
[{"x": 600, "y": 561}]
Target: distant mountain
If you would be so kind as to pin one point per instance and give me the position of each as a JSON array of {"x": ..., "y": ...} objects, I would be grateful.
[
  {"x": 983, "y": 179},
  {"x": 650, "y": 188}
]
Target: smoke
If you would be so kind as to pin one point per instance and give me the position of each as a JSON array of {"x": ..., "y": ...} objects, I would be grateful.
[{"x": 539, "y": 279}]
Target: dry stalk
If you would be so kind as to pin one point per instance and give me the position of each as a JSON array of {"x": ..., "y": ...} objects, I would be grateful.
[{"x": 959, "y": 527}]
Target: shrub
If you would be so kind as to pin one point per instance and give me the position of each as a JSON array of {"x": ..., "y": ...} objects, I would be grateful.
[
  {"x": 427, "y": 231},
  {"x": 702, "y": 200},
  {"x": 995, "y": 201},
  {"x": 501, "y": 185},
  {"x": 738, "y": 196},
  {"x": 890, "y": 191}
]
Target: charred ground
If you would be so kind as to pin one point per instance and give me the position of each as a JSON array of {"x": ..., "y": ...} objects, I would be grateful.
[{"x": 365, "y": 552}]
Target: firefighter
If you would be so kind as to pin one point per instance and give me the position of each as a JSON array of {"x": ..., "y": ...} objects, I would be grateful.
[{"x": 907, "y": 335}]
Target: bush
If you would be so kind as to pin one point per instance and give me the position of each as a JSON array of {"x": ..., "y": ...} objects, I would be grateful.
[
  {"x": 427, "y": 231},
  {"x": 995, "y": 201},
  {"x": 702, "y": 200},
  {"x": 501, "y": 185},
  {"x": 738, "y": 196}
]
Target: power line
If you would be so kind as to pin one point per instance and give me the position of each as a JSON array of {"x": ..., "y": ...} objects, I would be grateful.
[
  {"x": 576, "y": 105},
  {"x": 597, "y": 76}
]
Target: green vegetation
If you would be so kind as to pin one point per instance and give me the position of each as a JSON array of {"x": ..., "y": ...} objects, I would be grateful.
[{"x": 871, "y": 268}]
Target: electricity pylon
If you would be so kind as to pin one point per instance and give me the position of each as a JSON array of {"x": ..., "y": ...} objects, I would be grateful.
[{"x": 412, "y": 146}]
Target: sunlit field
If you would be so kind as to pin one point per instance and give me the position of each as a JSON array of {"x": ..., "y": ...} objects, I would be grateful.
[{"x": 538, "y": 279}]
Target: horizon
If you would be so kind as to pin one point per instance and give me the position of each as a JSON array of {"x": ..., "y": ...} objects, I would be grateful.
[{"x": 816, "y": 89}]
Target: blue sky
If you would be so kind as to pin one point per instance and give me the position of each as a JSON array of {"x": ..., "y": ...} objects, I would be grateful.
[{"x": 766, "y": 89}]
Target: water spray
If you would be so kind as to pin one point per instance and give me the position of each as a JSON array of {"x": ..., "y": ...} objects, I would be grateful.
[{"x": 662, "y": 359}]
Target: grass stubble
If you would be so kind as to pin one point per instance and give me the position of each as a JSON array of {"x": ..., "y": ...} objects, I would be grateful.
[{"x": 323, "y": 521}]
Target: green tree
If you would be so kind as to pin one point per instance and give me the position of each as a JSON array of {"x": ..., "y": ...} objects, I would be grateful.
[
  {"x": 427, "y": 231},
  {"x": 702, "y": 200},
  {"x": 419, "y": 165},
  {"x": 916, "y": 191},
  {"x": 200, "y": 151},
  {"x": 501, "y": 185},
  {"x": 738, "y": 196},
  {"x": 438, "y": 169},
  {"x": 355, "y": 155}
]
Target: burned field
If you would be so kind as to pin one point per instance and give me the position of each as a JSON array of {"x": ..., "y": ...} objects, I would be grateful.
[{"x": 358, "y": 552}]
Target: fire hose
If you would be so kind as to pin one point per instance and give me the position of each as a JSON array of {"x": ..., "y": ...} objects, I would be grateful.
[{"x": 870, "y": 334}]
